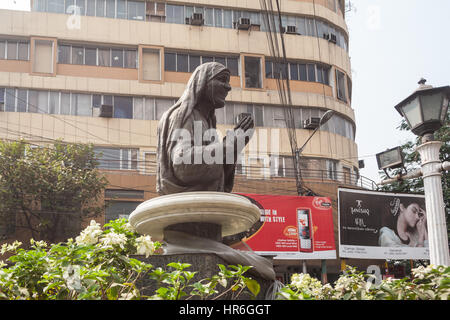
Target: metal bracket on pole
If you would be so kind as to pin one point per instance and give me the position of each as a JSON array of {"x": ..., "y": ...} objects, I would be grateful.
[{"x": 413, "y": 174}]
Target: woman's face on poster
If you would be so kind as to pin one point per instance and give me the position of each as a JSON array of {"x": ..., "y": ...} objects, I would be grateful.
[{"x": 413, "y": 214}]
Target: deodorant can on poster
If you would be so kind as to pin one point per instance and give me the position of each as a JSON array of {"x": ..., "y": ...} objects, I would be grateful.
[{"x": 304, "y": 230}]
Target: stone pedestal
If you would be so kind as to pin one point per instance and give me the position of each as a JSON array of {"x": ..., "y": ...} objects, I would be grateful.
[
  {"x": 206, "y": 230},
  {"x": 233, "y": 213},
  {"x": 206, "y": 266}
]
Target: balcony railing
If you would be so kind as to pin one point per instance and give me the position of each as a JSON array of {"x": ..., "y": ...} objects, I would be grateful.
[
  {"x": 259, "y": 172},
  {"x": 325, "y": 176}
]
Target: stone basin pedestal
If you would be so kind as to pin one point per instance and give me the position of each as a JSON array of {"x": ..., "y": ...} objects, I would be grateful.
[{"x": 191, "y": 226}]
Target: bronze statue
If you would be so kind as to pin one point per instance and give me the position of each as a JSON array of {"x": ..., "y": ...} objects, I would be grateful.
[{"x": 186, "y": 160}]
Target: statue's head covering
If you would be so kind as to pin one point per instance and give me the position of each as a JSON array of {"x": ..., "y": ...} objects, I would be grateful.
[
  {"x": 177, "y": 115},
  {"x": 196, "y": 87}
]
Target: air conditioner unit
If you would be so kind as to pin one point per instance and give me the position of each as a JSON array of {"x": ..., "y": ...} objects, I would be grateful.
[
  {"x": 291, "y": 30},
  {"x": 311, "y": 123},
  {"x": 326, "y": 36},
  {"x": 332, "y": 38},
  {"x": 196, "y": 19},
  {"x": 106, "y": 111},
  {"x": 243, "y": 23}
]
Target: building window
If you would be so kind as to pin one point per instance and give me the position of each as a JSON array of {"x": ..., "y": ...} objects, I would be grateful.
[
  {"x": 64, "y": 54},
  {"x": 136, "y": 10},
  {"x": 2, "y": 99},
  {"x": 90, "y": 8},
  {"x": 117, "y": 58},
  {"x": 123, "y": 107},
  {"x": 311, "y": 72},
  {"x": 282, "y": 166},
  {"x": 110, "y": 8},
  {"x": 293, "y": 69},
  {"x": 119, "y": 209},
  {"x": 296, "y": 71},
  {"x": 124, "y": 194},
  {"x": 56, "y": 6},
  {"x": 104, "y": 57},
  {"x": 23, "y": 50},
  {"x": 183, "y": 62},
  {"x": 81, "y": 104},
  {"x": 100, "y": 8},
  {"x": 43, "y": 56},
  {"x": 194, "y": 62},
  {"x": 252, "y": 67},
  {"x": 10, "y": 100},
  {"x": 151, "y": 65},
  {"x": 340, "y": 78},
  {"x": 116, "y": 158},
  {"x": 175, "y": 14},
  {"x": 77, "y": 55},
  {"x": 302, "y": 72},
  {"x": 130, "y": 59},
  {"x": 93, "y": 56},
  {"x": 331, "y": 169},
  {"x": 170, "y": 61}
]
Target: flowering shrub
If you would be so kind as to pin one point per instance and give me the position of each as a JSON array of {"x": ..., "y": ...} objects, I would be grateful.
[
  {"x": 427, "y": 283},
  {"x": 98, "y": 265}
]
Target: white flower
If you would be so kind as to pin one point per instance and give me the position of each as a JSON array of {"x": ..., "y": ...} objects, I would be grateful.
[
  {"x": 2, "y": 264},
  {"x": 145, "y": 245},
  {"x": 90, "y": 234},
  {"x": 126, "y": 296},
  {"x": 39, "y": 244},
  {"x": 129, "y": 227},
  {"x": 24, "y": 292},
  {"x": 10, "y": 247},
  {"x": 113, "y": 238}
]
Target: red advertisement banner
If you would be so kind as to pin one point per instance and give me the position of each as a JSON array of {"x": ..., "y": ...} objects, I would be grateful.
[{"x": 292, "y": 227}]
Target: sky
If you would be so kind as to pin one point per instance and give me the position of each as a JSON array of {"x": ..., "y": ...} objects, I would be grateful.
[{"x": 392, "y": 45}]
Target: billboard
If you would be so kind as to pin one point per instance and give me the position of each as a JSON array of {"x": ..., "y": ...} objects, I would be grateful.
[
  {"x": 292, "y": 227},
  {"x": 380, "y": 225}
]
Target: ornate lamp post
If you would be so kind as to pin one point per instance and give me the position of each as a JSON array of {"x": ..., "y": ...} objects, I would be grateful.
[{"x": 425, "y": 111}]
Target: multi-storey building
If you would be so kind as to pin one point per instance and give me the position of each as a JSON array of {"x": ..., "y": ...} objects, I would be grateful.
[{"x": 104, "y": 71}]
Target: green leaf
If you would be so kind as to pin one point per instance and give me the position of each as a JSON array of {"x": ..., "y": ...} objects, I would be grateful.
[{"x": 253, "y": 286}]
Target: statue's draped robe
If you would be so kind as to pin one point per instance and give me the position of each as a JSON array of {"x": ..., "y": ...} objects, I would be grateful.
[{"x": 184, "y": 177}]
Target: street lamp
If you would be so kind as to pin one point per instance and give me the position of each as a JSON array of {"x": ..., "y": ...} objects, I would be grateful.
[
  {"x": 324, "y": 119},
  {"x": 390, "y": 159},
  {"x": 425, "y": 112},
  {"x": 426, "y": 109}
]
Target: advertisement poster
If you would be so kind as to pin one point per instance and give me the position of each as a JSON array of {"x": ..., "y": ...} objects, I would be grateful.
[
  {"x": 380, "y": 225},
  {"x": 292, "y": 227}
]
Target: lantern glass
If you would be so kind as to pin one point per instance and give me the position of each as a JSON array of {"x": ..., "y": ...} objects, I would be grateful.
[
  {"x": 412, "y": 113},
  {"x": 431, "y": 106},
  {"x": 392, "y": 158}
]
